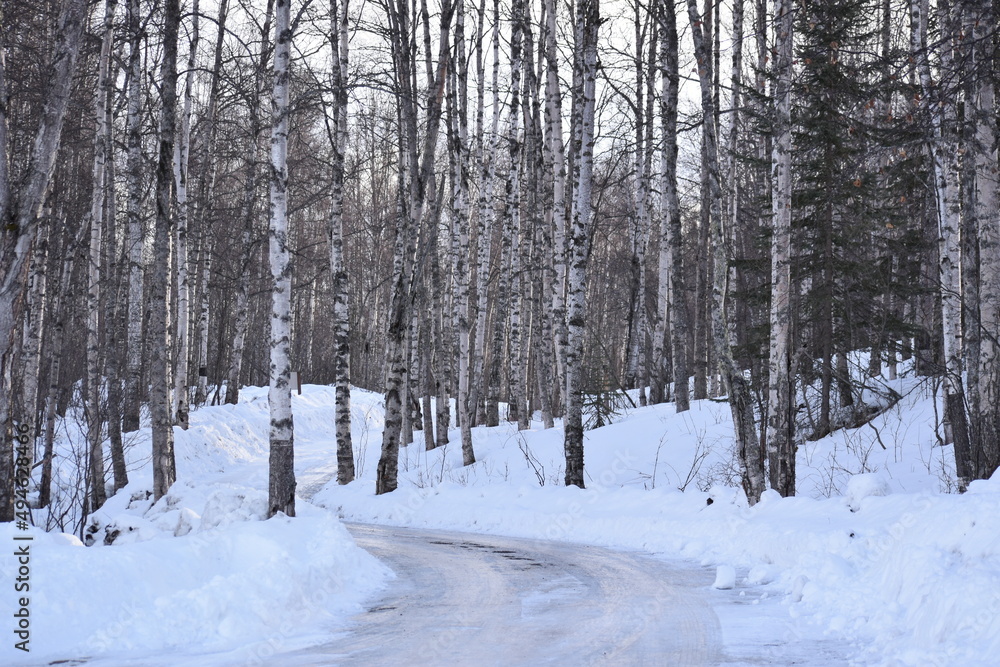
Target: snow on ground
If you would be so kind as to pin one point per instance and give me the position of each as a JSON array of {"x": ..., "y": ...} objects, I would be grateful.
[
  {"x": 199, "y": 571},
  {"x": 873, "y": 551}
]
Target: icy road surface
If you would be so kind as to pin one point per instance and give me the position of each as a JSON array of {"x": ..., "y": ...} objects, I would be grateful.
[
  {"x": 480, "y": 600},
  {"x": 467, "y": 599}
]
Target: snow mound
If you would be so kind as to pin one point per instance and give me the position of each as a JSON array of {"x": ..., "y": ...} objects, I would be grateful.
[
  {"x": 229, "y": 582},
  {"x": 725, "y": 578},
  {"x": 863, "y": 486}
]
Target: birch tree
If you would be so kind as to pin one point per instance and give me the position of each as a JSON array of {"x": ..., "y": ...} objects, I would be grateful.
[
  {"x": 281, "y": 486},
  {"x": 588, "y": 20},
  {"x": 671, "y": 313},
  {"x": 417, "y": 162},
  {"x": 98, "y": 197},
  {"x": 555, "y": 160},
  {"x": 983, "y": 108},
  {"x": 135, "y": 224},
  {"x": 944, "y": 160},
  {"x": 737, "y": 386},
  {"x": 458, "y": 155},
  {"x": 181, "y": 150},
  {"x": 35, "y": 325},
  {"x": 338, "y": 271},
  {"x": 164, "y": 465},
  {"x": 780, "y": 418},
  {"x": 512, "y": 217}
]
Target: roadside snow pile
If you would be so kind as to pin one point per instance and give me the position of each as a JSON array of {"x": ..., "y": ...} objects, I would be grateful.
[
  {"x": 200, "y": 570},
  {"x": 197, "y": 571},
  {"x": 920, "y": 576}
]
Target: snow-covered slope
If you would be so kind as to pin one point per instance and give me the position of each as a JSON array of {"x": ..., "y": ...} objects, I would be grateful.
[{"x": 873, "y": 549}]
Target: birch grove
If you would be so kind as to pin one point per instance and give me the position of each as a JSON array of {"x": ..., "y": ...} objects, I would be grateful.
[{"x": 512, "y": 210}]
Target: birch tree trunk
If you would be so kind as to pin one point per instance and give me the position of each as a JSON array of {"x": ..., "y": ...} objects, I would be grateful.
[
  {"x": 944, "y": 156},
  {"x": 97, "y": 198},
  {"x": 702, "y": 326},
  {"x": 338, "y": 270},
  {"x": 281, "y": 485},
  {"x": 439, "y": 351},
  {"x": 588, "y": 21},
  {"x": 556, "y": 161},
  {"x": 985, "y": 457},
  {"x": 34, "y": 328},
  {"x": 164, "y": 466},
  {"x": 780, "y": 418},
  {"x": 19, "y": 211},
  {"x": 181, "y": 405},
  {"x": 671, "y": 315},
  {"x": 636, "y": 341},
  {"x": 136, "y": 231},
  {"x": 458, "y": 142},
  {"x": 512, "y": 218},
  {"x": 740, "y": 401}
]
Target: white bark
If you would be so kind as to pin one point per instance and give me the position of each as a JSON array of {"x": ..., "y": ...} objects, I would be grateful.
[
  {"x": 97, "y": 199},
  {"x": 281, "y": 487},
  {"x": 671, "y": 311},
  {"x": 164, "y": 465},
  {"x": 338, "y": 270},
  {"x": 136, "y": 226},
  {"x": 780, "y": 421},
  {"x": 556, "y": 161},
  {"x": 944, "y": 159},
  {"x": 181, "y": 152},
  {"x": 512, "y": 219},
  {"x": 588, "y": 22},
  {"x": 34, "y": 328},
  {"x": 986, "y": 455},
  {"x": 459, "y": 158}
]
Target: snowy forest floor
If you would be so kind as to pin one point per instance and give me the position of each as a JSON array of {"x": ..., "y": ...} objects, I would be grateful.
[{"x": 873, "y": 563}]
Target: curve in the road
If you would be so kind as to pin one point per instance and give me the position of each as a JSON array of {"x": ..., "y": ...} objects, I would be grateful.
[{"x": 478, "y": 600}]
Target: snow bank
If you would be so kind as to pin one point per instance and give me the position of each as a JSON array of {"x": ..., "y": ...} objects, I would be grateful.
[
  {"x": 230, "y": 581},
  {"x": 200, "y": 570}
]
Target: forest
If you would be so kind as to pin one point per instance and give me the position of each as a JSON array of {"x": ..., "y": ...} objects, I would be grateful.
[{"x": 519, "y": 208}]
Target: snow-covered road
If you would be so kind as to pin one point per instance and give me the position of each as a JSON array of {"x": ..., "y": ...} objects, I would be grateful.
[{"x": 464, "y": 599}]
